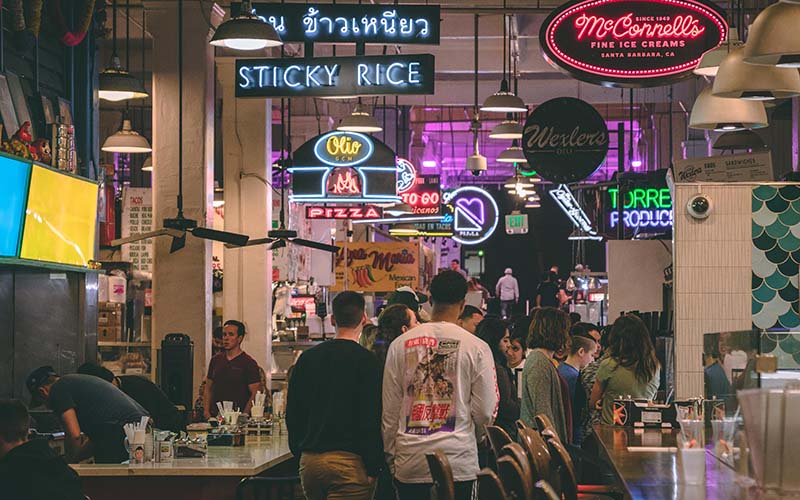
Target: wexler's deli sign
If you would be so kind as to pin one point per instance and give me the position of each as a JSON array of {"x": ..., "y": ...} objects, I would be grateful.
[
  {"x": 631, "y": 43},
  {"x": 351, "y": 23},
  {"x": 398, "y": 74},
  {"x": 565, "y": 139},
  {"x": 344, "y": 167}
]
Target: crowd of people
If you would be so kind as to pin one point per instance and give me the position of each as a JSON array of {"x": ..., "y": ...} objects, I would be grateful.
[{"x": 363, "y": 410}]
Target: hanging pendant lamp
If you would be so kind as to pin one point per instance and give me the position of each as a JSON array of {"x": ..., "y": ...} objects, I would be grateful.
[
  {"x": 126, "y": 140},
  {"x": 512, "y": 154},
  {"x": 115, "y": 83},
  {"x": 738, "y": 80},
  {"x": 246, "y": 31},
  {"x": 359, "y": 121},
  {"x": 504, "y": 101},
  {"x": 726, "y": 115},
  {"x": 709, "y": 63},
  {"x": 507, "y": 129},
  {"x": 147, "y": 166},
  {"x": 773, "y": 38},
  {"x": 742, "y": 139}
]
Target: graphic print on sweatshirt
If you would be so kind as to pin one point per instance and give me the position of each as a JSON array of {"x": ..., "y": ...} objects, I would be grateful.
[{"x": 431, "y": 384}]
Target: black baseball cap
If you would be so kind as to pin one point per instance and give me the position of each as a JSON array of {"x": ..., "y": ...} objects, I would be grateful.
[
  {"x": 38, "y": 377},
  {"x": 406, "y": 295}
]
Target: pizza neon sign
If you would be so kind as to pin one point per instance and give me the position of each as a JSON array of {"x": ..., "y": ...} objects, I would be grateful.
[
  {"x": 367, "y": 212},
  {"x": 631, "y": 43}
]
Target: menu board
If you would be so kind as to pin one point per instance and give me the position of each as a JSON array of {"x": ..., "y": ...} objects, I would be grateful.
[
  {"x": 61, "y": 218},
  {"x": 744, "y": 167},
  {"x": 137, "y": 218},
  {"x": 13, "y": 195}
]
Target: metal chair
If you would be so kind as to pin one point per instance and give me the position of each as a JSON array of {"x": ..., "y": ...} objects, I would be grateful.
[
  {"x": 490, "y": 487},
  {"x": 442, "y": 475},
  {"x": 267, "y": 488}
]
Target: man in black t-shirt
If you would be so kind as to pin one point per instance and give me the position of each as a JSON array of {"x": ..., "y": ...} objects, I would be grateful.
[
  {"x": 547, "y": 293},
  {"x": 88, "y": 405},
  {"x": 333, "y": 411}
]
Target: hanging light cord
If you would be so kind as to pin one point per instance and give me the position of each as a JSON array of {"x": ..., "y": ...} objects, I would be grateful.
[
  {"x": 114, "y": 38},
  {"x": 180, "y": 108},
  {"x": 127, "y": 51}
]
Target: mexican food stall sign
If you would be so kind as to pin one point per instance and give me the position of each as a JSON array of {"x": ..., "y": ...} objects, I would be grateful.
[{"x": 377, "y": 267}]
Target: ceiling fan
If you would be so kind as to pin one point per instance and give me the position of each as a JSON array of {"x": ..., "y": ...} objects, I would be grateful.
[
  {"x": 278, "y": 238},
  {"x": 178, "y": 227}
]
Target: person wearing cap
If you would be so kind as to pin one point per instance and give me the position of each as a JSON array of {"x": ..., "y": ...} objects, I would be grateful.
[
  {"x": 507, "y": 291},
  {"x": 409, "y": 297},
  {"x": 92, "y": 411}
]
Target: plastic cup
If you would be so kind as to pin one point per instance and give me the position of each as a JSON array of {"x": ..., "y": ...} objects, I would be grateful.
[{"x": 692, "y": 462}]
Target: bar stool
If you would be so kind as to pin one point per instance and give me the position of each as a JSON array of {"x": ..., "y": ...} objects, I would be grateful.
[
  {"x": 267, "y": 488},
  {"x": 490, "y": 487},
  {"x": 569, "y": 482},
  {"x": 546, "y": 427},
  {"x": 498, "y": 438},
  {"x": 536, "y": 450},
  {"x": 514, "y": 480},
  {"x": 547, "y": 490},
  {"x": 442, "y": 475}
]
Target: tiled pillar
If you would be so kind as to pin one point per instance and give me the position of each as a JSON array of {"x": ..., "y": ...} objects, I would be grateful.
[
  {"x": 247, "y": 147},
  {"x": 182, "y": 280},
  {"x": 712, "y": 275}
]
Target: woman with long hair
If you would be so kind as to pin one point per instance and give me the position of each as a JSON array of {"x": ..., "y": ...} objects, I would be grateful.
[
  {"x": 630, "y": 368},
  {"x": 494, "y": 332},
  {"x": 541, "y": 386}
]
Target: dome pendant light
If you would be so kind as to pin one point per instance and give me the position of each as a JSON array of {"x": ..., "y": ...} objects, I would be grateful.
[
  {"x": 359, "y": 121},
  {"x": 115, "y": 83},
  {"x": 126, "y": 140},
  {"x": 773, "y": 39},
  {"x": 246, "y": 31},
  {"x": 147, "y": 166},
  {"x": 739, "y": 140},
  {"x": 512, "y": 154},
  {"x": 709, "y": 63},
  {"x": 504, "y": 101},
  {"x": 725, "y": 115},
  {"x": 738, "y": 80},
  {"x": 507, "y": 129}
]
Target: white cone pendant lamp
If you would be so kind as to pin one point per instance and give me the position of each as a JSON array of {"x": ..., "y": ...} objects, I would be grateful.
[
  {"x": 724, "y": 115},
  {"x": 774, "y": 38},
  {"x": 359, "y": 121},
  {"x": 246, "y": 31},
  {"x": 709, "y": 63},
  {"x": 738, "y": 80},
  {"x": 507, "y": 129},
  {"x": 126, "y": 140},
  {"x": 512, "y": 154}
]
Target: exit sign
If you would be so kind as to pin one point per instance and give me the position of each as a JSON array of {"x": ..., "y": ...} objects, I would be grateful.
[{"x": 517, "y": 224}]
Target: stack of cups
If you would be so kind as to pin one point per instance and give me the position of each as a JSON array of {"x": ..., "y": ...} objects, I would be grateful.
[{"x": 692, "y": 451}]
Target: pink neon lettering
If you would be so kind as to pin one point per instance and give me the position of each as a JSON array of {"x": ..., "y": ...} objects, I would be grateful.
[{"x": 625, "y": 27}]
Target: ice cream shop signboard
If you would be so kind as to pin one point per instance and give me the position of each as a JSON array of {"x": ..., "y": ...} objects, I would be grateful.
[{"x": 631, "y": 43}]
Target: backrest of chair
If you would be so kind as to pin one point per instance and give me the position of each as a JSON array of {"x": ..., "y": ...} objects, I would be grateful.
[
  {"x": 442, "y": 475},
  {"x": 268, "y": 488},
  {"x": 497, "y": 438},
  {"x": 514, "y": 479},
  {"x": 545, "y": 426},
  {"x": 490, "y": 487},
  {"x": 547, "y": 491},
  {"x": 538, "y": 454},
  {"x": 517, "y": 452},
  {"x": 567, "y": 477}
]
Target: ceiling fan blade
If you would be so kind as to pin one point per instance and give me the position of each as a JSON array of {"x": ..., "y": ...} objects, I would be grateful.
[
  {"x": 315, "y": 245},
  {"x": 177, "y": 243},
  {"x": 152, "y": 234},
  {"x": 223, "y": 236},
  {"x": 277, "y": 244},
  {"x": 251, "y": 243}
]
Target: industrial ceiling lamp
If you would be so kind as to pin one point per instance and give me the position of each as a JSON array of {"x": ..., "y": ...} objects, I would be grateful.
[
  {"x": 147, "y": 166},
  {"x": 246, "y": 31},
  {"x": 741, "y": 139},
  {"x": 512, "y": 154},
  {"x": 476, "y": 163},
  {"x": 738, "y": 80},
  {"x": 773, "y": 39},
  {"x": 359, "y": 121},
  {"x": 709, "y": 63},
  {"x": 507, "y": 129},
  {"x": 126, "y": 140},
  {"x": 115, "y": 83},
  {"x": 726, "y": 115},
  {"x": 504, "y": 101}
]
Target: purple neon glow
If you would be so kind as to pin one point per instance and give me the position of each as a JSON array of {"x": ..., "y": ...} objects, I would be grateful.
[
  {"x": 429, "y": 163},
  {"x": 636, "y": 163},
  {"x": 472, "y": 208}
]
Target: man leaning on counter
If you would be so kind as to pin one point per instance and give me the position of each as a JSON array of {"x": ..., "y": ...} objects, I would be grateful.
[{"x": 232, "y": 374}]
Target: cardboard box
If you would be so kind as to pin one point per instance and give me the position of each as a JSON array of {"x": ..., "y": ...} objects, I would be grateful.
[{"x": 108, "y": 333}]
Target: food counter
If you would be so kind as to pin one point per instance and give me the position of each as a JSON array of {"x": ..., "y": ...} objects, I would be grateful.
[{"x": 212, "y": 477}]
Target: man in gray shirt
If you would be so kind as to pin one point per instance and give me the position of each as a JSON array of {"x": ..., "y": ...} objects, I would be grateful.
[{"x": 90, "y": 405}]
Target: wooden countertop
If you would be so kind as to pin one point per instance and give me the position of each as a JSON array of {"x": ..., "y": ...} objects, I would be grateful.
[
  {"x": 258, "y": 455},
  {"x": 646, "y": 463}
]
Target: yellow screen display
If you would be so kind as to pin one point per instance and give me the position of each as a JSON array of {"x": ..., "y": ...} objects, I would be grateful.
[{"x": 61, "y": 218}]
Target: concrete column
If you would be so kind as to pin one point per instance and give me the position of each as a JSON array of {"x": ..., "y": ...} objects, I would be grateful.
[
  {"x": 247, "y": 147},
  {"x": 182, "y": 292}
]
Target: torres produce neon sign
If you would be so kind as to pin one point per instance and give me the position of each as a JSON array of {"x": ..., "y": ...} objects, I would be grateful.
[
  {"x": 646, "y": 208},
  {"x": 631, "y": 43}
]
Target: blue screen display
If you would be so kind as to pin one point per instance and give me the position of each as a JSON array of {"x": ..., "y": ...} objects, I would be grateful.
[{"x": 13, "y": 198}]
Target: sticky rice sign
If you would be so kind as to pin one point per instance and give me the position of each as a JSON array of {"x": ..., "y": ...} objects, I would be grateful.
[{"x": 377, "y": 267}]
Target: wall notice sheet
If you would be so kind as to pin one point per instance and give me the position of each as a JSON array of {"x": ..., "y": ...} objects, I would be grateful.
[{"x": 137, "y": 218}]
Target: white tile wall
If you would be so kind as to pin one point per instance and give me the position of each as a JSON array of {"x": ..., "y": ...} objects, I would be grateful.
[{"x": 712, "y": 275}]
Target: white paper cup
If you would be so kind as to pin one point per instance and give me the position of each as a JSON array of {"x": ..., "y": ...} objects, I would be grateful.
[{"x": 692, "y": 463}]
